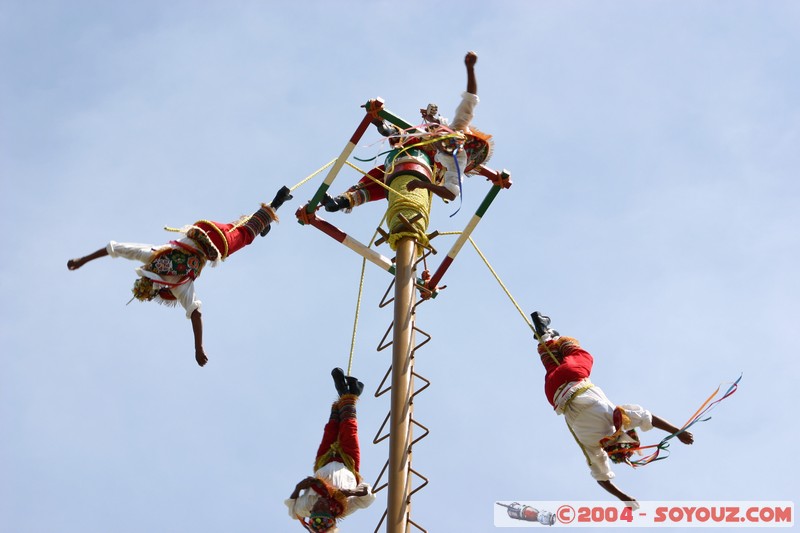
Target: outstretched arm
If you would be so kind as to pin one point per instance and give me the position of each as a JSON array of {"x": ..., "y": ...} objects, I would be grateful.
[
  {"x": 435, "y": 189},
  {"x": 660, "y": 423},
  {"x": 469, "y": 61},
  {"x": 197, "y": 329},
  {"x": 304, "y": 484},
  {"x": 361, "y": 490},
  {"x": 611, "y": 488},
  {"x": 75, "y": 264}
]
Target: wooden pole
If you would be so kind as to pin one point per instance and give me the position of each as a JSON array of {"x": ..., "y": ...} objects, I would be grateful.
[{"x": 402, "y": 388}]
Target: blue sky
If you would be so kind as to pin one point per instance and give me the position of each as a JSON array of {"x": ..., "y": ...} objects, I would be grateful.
[{"x": 653, "y": 148}]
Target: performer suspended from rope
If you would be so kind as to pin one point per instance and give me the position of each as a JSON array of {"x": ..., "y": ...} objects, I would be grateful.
[
  {"x": 168, "y": 272},
  {"x": 440, "y": 152},
  {"x": 336, "y": 489},
  {"x": 602, "y": 430}
]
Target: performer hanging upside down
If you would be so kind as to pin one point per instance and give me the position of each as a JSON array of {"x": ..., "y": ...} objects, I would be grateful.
[
  {"x": 603, "y": 430},
  {"x": 336, "y": 489},
  {"x": 168, "y": 272},
  {"x": 461, "y": 151}
]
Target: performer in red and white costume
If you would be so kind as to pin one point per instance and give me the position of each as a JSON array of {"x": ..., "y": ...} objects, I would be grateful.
[
  {"x": 336, "y": 489},
  {"x": 168, "y": 272},
  {"x": 602, "y": 429},
  {"x": 454, "y": 157}
]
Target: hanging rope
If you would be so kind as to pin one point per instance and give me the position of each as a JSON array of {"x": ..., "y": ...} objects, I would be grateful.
[
  {"x": 243, "y": 219},
  {"x": 508, "y": 293},
  {"x": 409, "y": 199},
  {"x": 312, "y": 175},
  {"x": 358, "y": 305},
  {"x": 502, "y": 285},
  {"x": 401, "y": 201},
  {"x": 355, "y": 319}
]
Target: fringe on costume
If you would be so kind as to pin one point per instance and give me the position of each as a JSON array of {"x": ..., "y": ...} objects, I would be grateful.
[
  {"x": 479, "y": 147},
  {"x": 326, "y": 490},
  {"x": 165, "y": 302},
  {"x": 185, "y": 230},
  {"x": 244, "y": 219},
  {"x": 336, "y": 452}
]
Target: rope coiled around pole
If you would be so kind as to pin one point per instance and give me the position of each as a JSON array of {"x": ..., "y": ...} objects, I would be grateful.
[{"x": 409, "y": 204}]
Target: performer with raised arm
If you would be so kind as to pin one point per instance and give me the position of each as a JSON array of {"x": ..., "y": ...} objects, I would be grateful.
[{"x": 460, "y": 150}]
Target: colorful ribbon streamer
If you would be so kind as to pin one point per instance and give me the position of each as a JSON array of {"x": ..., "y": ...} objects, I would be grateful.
[{"x": 698, "y": 416}]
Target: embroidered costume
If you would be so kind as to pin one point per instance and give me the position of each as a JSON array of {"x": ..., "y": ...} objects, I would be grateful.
[
  {"x": 470, "y": 151},
  {"x": 447, "y": 151},
  {"x": 168, "y": 272},
  {"x": 599, "y": 426},
  {"x": 329, "y": 495},
  {"x": 462, "y": 154}
]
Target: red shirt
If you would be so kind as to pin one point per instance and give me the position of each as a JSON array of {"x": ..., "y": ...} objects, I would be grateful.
[{"x": 572, "y": 363}]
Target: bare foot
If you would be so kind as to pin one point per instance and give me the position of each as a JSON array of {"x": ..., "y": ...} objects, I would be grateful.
[
  {"x": 201, "y": 358},
  {"x": 75, "y": 264},
  {"x": 686, "y": 437}
]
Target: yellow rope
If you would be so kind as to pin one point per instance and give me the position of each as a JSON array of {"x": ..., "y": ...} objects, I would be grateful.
[
  {"x": 355, "y": 319},
  {"x": 409, "y": 199},
  {"x": 405, "y": 202},
  {"x": 574, "y": 436},
  {"x": 358, "y": 304},
  {"x": 375, "y": 180},
  {"x": 336, "y": 451},
  {"x": 399, "y": 201},
  {"x": 245, "y": 218},
  {"x": 312, "y": 175},
  {"x": 521, "y": 312},
  {"x": 583, "y": 388},
  {"x": 416, "y": 202},
  {"x": 431, "y": 140},
  {"x": 360, "y": 171}
]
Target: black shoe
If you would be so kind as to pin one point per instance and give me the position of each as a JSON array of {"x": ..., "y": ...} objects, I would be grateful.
[
  {"x": 385, "y": 128},
  {"x": 542, "y": 324},
  {"x": 354, "y": 386},
  {"x": 339, "y": 381},
  {"x": 328, "y": 203},
  {"x": 283, "y": 195},
  {"x": 335, "y": 204}
]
